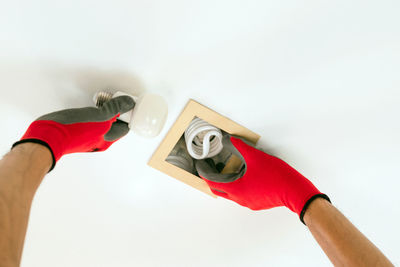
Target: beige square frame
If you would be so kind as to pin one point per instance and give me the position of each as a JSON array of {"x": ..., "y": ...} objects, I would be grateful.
[{"x": 191, "y": 110}]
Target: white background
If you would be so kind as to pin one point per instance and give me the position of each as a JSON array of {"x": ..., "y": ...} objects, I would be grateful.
[{"x": 319, "y": 80}]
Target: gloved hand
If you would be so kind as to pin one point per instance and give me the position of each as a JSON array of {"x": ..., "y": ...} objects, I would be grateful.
[
  {"x": 80, "y": 130},
  {"x": 264, "y": 181}
]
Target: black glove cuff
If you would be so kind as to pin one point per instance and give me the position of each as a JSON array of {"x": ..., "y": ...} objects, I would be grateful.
[
  {"x": 40, "y": 142},
  {"x": 303, "y": 211}
]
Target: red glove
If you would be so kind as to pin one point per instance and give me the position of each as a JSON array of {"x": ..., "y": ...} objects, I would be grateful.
[
  {"x": 264, "y": 182},
  {"x": 81, "y": 129}
]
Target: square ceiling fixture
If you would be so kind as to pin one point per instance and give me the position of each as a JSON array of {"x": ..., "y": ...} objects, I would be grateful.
[{"x": 192, "y": 110}]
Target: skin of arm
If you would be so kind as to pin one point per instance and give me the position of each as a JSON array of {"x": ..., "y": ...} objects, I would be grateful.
[
  {"x": 21, "y": 172},
  {"x": 341, "y": 241}
]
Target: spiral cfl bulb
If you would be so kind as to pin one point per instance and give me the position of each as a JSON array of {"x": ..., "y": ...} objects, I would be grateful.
[{"x": 203, "y": 140}]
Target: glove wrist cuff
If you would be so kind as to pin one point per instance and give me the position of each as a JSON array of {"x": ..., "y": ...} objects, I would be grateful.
[
  {"x": 308, "y": 202},
  {"x": 40, "y": 142}
]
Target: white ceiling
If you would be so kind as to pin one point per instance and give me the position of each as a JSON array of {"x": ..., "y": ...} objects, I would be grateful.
[{"x": 319, "y": 80}]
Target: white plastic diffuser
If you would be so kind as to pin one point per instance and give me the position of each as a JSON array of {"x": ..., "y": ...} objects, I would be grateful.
[{"x": 148, "y": 116}]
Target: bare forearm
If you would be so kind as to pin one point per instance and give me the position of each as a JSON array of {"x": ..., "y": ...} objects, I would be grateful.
[
  {"x": 21, "y": 172},
  {"x": 341, "y": 241}
]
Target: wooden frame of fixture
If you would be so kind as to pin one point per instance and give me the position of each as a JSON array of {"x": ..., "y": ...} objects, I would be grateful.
[{"x": 194, "y": 109}]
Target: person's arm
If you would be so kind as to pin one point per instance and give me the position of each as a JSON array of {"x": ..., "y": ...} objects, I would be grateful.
[
  {"x": 341, "y": 241},
  {"x": 266, "y": 182},
  {"x": 21, "y": 172},
  {"x": 47, "y": 139}
]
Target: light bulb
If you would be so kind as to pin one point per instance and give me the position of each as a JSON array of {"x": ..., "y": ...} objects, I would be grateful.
[
  {"x": 203, "y": 140},
  {"x": 148, "y": 116}
]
